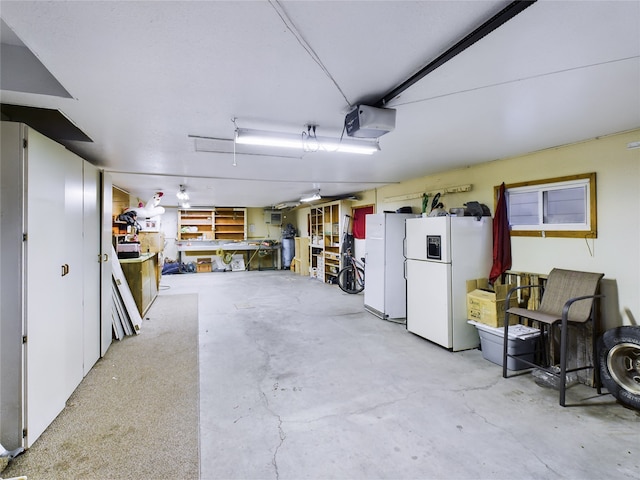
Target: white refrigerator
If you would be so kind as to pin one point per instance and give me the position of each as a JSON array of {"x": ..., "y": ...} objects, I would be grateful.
[
  {"x": 385, "y": 294},
  {"x": 442, "y": 253}
]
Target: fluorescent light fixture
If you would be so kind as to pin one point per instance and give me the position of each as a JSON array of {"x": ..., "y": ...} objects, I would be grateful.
[
  {"x": 264, "y": 138},
  {"x": 312, "y": 197},
  {"x": 283, "y": 205}
]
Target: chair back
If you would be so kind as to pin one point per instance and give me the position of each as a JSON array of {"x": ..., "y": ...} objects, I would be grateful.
[{"x": 563, "y": 285}]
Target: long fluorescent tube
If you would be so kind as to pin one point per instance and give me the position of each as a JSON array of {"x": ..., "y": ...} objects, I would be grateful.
[
  {"x": 311, "y": 198},
  {"x": 246, "y": 136}
]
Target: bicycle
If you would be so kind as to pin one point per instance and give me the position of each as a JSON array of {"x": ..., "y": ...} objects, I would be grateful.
[{"x": 351, "y": 277}]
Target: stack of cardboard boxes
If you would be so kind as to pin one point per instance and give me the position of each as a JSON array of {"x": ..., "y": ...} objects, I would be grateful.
[{"x": 486, "y": 307}]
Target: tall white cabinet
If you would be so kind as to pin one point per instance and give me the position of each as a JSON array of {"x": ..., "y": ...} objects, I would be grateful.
[{"x": 50, "y": 323}]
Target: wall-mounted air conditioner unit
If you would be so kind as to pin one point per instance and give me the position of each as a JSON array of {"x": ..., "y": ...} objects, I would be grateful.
[{"x": 272, "y": 217}]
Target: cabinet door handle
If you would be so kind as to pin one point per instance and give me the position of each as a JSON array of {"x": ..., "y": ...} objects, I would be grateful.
[{"x": 65, "y": 269}]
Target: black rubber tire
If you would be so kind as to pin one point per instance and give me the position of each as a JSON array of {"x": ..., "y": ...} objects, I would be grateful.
[
  {"x": 347, "y": 280},
  {"x": 619, "y": 362}
]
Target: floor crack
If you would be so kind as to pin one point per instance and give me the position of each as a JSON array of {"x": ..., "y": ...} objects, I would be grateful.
[{"x": 281, "y": 434}]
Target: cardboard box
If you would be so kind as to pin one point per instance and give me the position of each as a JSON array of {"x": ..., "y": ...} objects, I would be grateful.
[
  {"x": 203, "y": 265},
  {"x": 152, "y": 242},
  {"x": 487, "y": 305}
]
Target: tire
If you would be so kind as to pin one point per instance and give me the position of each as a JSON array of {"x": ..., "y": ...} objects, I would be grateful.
[
  {"x": 619, "y": 362},
  {"x": 348, "y": 281}
]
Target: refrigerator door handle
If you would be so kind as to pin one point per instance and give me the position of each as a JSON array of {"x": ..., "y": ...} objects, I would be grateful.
[
  {"x": 404, "y": 247},
  {"x": 405, "y": 269}
]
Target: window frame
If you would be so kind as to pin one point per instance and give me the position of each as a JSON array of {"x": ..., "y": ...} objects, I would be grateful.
[{"x": 552, "y": 230}]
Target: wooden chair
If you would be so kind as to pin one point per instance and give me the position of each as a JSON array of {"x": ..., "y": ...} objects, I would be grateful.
[{"x": 569, "y": 298}]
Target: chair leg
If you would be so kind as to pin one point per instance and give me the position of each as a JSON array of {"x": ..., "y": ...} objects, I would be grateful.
[
  {"x": 595, "y": 361},
  {"x": 544, "y": 341},
  {"x": 563, "y": 361},
  {"x": 505, "y": 345}
]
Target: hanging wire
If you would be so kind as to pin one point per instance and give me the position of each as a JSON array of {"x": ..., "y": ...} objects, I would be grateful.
[
  {"x": 277, "y": 6},
  {"x": 235, "y": 136},
  {"x": 586, "y": 239},
  {"x": 309, "y": 140}
]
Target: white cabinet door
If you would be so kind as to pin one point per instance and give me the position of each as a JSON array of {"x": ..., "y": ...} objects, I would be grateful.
[
  {"x": 91, "y": 265},
  {"x": 73, "y": 282},
  {"x": 105, "y": 266},
  {"x": 48, "y": 346},
  {"x": 12, "y": 303}
]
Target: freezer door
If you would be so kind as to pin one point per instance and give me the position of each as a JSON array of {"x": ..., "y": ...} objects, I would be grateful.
[
  {"x": 417, "y": 231},
  {"x": 429, "y": 301},
  {"x": 374, "y": 294}
]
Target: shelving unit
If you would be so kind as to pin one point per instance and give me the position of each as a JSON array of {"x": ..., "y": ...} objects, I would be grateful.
[
  {"x": 316, "y": 244},
  {"x": 326, "y": 236},
  {"x": 118, "y": 232},
  {"x": 216, "y": 223},
  {"x": 195, "y": 224},
  {"x": 230, "y": 223}
]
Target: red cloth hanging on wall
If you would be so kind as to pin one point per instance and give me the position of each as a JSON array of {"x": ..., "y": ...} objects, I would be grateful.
[
  {"x": 359, "y": 225},
  {"x": 501, "y": 238}
]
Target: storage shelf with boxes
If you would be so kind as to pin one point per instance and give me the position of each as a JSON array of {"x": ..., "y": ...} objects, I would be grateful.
[{"x": 485, "y": 310}]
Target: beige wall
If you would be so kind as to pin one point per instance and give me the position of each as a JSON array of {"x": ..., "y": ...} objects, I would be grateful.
[
  {"x": 614, "y": 252},
  {"x": 262, "y": 231}
]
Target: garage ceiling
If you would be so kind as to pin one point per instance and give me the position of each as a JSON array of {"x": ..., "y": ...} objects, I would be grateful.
[{"x": 142, "y": 79}]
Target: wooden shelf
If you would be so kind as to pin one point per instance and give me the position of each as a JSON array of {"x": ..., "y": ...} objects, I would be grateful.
[
  {"x": 326, "y": 233},
  {"x": 195, "y": 224},
  {"x": 230, "y": 223},
  {"x": 215, "y": 223}
]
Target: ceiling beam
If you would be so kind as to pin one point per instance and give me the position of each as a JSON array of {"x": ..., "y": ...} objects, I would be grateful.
[{"x": 506, "y": 14}]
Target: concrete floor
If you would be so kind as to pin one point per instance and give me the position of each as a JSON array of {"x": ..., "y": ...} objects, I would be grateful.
[{"x": 298, "y": 381}]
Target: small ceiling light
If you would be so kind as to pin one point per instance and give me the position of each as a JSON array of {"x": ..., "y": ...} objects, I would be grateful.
[
  {"x": 633, "y": 145},
  {"x": 306, "y": 142},
  {"x": 182, "y": 194},
  {"x": 311, "y": 198}
]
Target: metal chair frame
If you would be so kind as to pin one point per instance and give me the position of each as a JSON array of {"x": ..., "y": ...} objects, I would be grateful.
[{"x": 553, "y": 319}]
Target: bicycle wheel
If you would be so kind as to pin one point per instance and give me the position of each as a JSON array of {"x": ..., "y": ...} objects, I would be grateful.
[{"x": 351, "y": 279}]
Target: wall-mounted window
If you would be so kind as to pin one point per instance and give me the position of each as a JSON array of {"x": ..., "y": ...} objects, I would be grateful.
[{"x": 556, "y": 207}]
